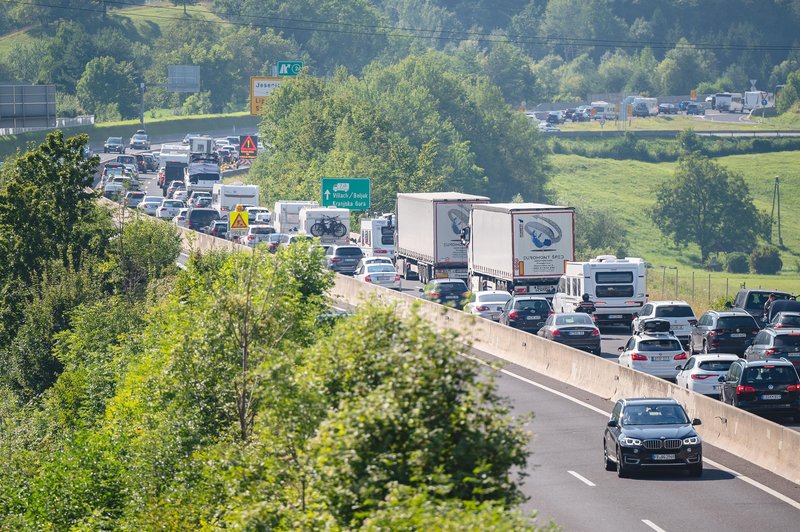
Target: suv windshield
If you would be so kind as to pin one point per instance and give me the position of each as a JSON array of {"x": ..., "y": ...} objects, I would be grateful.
[
  {"x": 674, "y": 311},
  {"x": 737, "y": 322},
  {"x": 654, "y": 415},
  {"x": 659, "y": 345},
  {"x": 769, "y": 374}
]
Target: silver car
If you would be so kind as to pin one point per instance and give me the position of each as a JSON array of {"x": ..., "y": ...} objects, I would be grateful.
[{"x": 487, "y": 304}]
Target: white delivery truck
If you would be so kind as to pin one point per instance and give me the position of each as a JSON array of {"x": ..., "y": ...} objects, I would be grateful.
[
  {"x": 202, "y": 173},
  {"x": 519, "y": 247},
  {"x": 286, "y": 215},
  {"x": 429, "y": 230},
  {"x": 377, "y": 236},
  {"x": 173, "y": 160},
  {"x": 225, "y": 198},
  {"x": 618, "y": 288},
  {"x": 330, "y": 224}
]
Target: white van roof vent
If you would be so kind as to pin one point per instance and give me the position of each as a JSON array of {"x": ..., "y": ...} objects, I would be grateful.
[{"x": 605, "y": 258}]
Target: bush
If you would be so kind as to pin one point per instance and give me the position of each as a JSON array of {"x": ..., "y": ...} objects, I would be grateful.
[
  {"x": 720, "y": 303},
  {"x": 766, "y": 260},
  {"x": 737, "y": 263}
]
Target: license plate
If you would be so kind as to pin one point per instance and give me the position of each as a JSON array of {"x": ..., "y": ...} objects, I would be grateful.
[
  {"x": 533, "y": 318},
  {"x": 663, "y": 457},
  {"x": 738, "y": 335},
  {"x": 615, "y": 316},
  {"x": 575, "y": 333},
  {"x": 771, "y": 396},
  {"x": 659, "y": 358},
  {"x": 678, "y": 327}
]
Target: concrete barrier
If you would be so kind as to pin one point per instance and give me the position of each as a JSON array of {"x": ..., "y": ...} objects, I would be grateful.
[{"x": 750, "y": 437}]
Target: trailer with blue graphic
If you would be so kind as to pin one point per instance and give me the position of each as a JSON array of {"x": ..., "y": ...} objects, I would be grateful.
[{"x": 519, "y": 247}]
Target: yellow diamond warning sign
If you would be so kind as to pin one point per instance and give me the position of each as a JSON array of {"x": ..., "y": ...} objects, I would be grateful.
[{"x": 238, "y": 220}]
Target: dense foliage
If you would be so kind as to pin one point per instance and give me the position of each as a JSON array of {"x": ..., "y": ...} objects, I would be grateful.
[{"x": 533, "y": 51}]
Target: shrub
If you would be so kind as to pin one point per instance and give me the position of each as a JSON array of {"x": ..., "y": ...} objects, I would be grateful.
[
  {"x": 719, "y": 303},
  {"x": 737, "y": 263},
  {"x": 766, "y": 260}
]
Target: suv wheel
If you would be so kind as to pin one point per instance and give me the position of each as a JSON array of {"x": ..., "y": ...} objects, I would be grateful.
[
  {"x": 610, "y": 464},
  {"x": 622, "y": 471}
]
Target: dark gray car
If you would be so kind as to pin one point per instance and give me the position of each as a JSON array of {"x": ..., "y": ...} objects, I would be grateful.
[
  {"x": 775, "y": 344},
  {"x": 574, "y": 329},
  {"x": 343, "y": 259}
]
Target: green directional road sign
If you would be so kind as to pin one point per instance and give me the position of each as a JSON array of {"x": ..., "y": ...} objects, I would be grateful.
[
  {"x": 345, "y": 192},
  {"x": 289, "y": 68}
]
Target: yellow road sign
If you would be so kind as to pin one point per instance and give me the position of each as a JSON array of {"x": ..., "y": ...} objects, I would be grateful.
[
  {"x": 238, "y": 220},
  {"x": 260, "y": 89}
]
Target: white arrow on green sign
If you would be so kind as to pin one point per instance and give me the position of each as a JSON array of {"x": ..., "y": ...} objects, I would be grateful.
[{"x": 347, "y": 193}]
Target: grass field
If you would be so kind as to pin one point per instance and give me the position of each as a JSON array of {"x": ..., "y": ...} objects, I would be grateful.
[{"x": 628, "y": 188}]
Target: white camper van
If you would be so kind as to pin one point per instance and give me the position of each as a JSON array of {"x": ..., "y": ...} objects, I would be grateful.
[
  {"x": 286, "y": 215},
  {"x": 604, "y": 110},
  {"x": 225, "y": 198},
  {"x": 618, "y": 288},
  {"x": 377, "y": 236}
]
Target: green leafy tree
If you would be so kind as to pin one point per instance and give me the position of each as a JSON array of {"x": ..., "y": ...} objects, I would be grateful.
[
  {"x": 790, "y": 93},
  {"x": 766, "y": 260},
  {"x": 709, "y": 206},
  {"x": 67, "y": 55},
  {"x": 684, "y": 67},
  {"x": 106, "y": 82}
]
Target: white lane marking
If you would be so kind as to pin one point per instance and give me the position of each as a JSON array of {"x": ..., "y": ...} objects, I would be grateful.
[
  {"x": 653, "y": 525},
  {"x": 712, "y": 463},
  {"x": 582, "y": 478}
]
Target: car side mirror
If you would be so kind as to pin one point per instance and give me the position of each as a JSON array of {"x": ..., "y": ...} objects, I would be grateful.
[
  {"x": 421, "y": 289},
  {"x": 620, "y": 349},
  {"x": 612, "y": 423},
  {"x": 679, "y": 367},
  {"x": 721, "y": 378},
  {"x": 696, "y": 421},
  {"x": 728, "y": 304},
  {"x": 635, "y": 314}
]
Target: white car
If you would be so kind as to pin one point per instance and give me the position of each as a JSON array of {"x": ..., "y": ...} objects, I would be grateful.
[
  {"x": 260, "y": 214},
  {"x": 380, "y": 274},
  {"x": 701, "y": 373},
  {"x": 132, "y": 169},
  {"x": 656, "y": 353},
  {"x": 181, "y": 220},
  {"x": 372, "y": 260},
  {"x": 150, "y": 205},
  {"x": 169, "y": 209},
  {"x": 487, "y": 304},
  {"x": 180, "y": 195},
  {"x": 679, "y": 314}
]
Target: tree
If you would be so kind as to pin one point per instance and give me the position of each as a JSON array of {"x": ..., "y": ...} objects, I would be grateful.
[
  {"x": 709, "y": 206},
  {"x": 105, "y": 82},
  {"x": 683, "y": 68},
  {"x": 790, "y": 93}
]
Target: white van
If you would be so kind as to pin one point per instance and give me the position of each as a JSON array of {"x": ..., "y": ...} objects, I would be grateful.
[
  {"x": 616, "y": 286},
  {"x": 377, "y": 236},
  {"x": 286, "y": 215},
  {"x": 604, "y": 110},
  {"x": 225, "y": 198},
  {"x": 732, "y": 102}
]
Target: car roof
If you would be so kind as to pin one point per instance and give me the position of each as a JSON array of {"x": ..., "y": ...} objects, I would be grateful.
[
  {"x": 770, "y": 362},
  {"x": 649, "y": 401},
  {"x": 715, "y": 356},
  {"x": 491, "y": 292},
  {"x": 528, "y": 296},
  {"x": 729, "y": 313},
  {"x": 655, "y": 335},
  {"x": 788, "y": 331},
  {"x": 667, "y": 302}
]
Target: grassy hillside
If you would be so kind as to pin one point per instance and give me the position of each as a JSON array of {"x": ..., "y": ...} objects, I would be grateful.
[{"x": 628, "y": 188}]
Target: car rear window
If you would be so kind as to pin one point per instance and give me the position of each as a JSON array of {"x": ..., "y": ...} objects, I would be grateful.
[
  {"x": 278, "y": 237},
  {"x": 349, "y": 252},
  {"x": 381, "y": 268},
  {"x": 716, "y": 365},
  {"x": 533, "y": 304},
  {"x": 787, "y": 340},
  {"x": 613, "y": 277},
  {"x": 579, "y": 319},
  {"x": 756, "y": 300},
  {"x": 262, "y": 230},
  {"x": 494, "y": 298},
  {"x": 674, "y": 311},
  {"x": 769, "y": 374},
  {"x": 203, "y": 217},
  {"x": 451, "y": 287},
  {"x": 659, "y": 345},
  {"x": 790, "y": 321},
  {"x": 734, "y": 322}
]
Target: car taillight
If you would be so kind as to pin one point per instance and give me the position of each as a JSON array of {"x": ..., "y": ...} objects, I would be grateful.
[
  {"x": 713, "y": 333},
  {"x": 692, "y": 322},
  {"x": 482, "y": 308},
  {"x": 379, "y": 251},
  {"x": 637, "y": 356},
  {"x": 336, "y": 259},
  {"x": 596, "y": 332},
  {"x": 251, "y": 237},
  {"x": 793, "y": 388},
  {"x": 696, "y": 377},
  {"x": 755, "y": 331},
  {"x": 555, "y": 332},
  {"x": 680, "y": 356},
  {"x": 513, "y": 314},
  {"x": 397, "y": 277},
  {"x": 744, "y": 389},
  {"x": 434, "y": 294},
  {"x": 367, "y": 278},
  {"x": 772, "y": 351}
]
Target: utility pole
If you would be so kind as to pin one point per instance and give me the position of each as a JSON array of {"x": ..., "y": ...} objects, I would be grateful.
[{"x": 776, "y": 199}]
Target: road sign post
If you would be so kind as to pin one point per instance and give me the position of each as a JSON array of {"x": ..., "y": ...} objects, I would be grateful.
[
  {"x": 289, "y": 68},
  {"x": 347, "y": 193}
]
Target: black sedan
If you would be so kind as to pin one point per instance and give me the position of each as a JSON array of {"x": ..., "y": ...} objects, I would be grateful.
[
  {"x": 526, "y": 312},
  {"x": 573, "y": 329},
  {"x": 651, "y": 434}
]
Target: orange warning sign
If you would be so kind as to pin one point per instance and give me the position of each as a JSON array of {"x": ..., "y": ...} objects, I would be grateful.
[
  {"x": 248, "y": 146},
  {"x": 238, "y": 220}
]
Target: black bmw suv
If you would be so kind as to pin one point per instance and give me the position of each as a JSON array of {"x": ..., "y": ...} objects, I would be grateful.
[
  {"x": 762, "y": 387},
  {"x": 651, "y": 434}
]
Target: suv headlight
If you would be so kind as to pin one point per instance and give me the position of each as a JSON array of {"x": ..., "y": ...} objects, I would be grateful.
[
  {"x": 692, "y": 440},
  {"x": 629, "y": 442}
]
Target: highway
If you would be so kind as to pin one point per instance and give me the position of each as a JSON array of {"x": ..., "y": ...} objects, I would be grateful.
[{"x": 566, "y": 481}]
